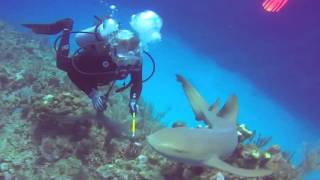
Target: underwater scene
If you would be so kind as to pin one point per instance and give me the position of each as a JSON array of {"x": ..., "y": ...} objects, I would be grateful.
[{"x": 168, "y": 90}]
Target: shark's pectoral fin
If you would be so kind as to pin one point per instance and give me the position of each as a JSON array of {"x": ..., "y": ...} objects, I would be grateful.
[
  {"x": 197, "y": 102},
  {"x": 219, "y": 164}
]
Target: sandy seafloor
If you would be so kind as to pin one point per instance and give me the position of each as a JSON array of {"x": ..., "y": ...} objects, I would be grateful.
[{"x": 257, "y": 110}]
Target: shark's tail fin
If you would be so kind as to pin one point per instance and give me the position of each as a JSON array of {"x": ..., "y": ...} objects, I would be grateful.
[{"x": 219, "y": 164}]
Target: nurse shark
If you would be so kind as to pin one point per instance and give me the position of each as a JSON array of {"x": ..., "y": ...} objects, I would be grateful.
[{"x": 204, "y": 146}]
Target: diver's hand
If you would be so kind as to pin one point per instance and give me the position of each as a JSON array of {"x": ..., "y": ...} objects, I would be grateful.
[
  {"x": 99, "y": 103},
  {"x": 133, "y": 106}
]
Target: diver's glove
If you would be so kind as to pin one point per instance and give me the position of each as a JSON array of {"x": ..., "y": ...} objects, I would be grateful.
[
  {"x": 99, "y": 103},
  {"x": 133, "y": 106}
]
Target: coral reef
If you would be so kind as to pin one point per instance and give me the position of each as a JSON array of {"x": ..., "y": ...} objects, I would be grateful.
[{"x": 49, "y": 130}]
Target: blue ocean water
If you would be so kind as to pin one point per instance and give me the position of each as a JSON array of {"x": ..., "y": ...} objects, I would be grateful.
[{"x": 222, "y": 47}]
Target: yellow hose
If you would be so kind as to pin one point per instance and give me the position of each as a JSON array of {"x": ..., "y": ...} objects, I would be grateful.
[{"x": 133, "y": 128}]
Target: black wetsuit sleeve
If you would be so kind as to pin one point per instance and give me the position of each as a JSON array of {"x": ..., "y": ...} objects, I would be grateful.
[{"x": 136, "y": 88}]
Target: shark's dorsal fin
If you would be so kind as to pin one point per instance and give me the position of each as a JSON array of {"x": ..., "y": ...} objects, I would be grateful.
[
  {"x": 210, "y": 118},
  {"x": 198, "y": 103},
  {"x": 215, "y": 106},
  {"x": 230, "y": 109},
  {"x": 215, "y": 162}
]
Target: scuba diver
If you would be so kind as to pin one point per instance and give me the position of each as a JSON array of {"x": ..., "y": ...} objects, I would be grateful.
[{"x": 106, "y": 54}]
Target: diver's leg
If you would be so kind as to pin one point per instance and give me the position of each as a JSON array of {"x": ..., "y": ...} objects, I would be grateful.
[{"x": 63, "y": 60}]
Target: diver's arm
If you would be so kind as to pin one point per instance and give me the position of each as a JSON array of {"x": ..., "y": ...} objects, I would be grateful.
[
  {"x": 135, "y": 92},
  {"x": 63, "y": 61},
  {"x": 136, "y": 88},
  {"x": 89, "y": 86}
]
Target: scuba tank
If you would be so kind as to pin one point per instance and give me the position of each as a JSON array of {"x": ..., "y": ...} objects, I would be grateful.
[{"x": 97, "y": 33}]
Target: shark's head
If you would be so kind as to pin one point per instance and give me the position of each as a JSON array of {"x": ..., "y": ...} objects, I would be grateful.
[{"x": 171, "y": 143}]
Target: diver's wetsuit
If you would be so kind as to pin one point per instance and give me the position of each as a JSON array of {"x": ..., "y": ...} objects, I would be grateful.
[{"x": 94, "y": 66}]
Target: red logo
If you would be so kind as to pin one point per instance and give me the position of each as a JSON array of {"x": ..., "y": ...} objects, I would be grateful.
[{"x": 274, "y": 5}]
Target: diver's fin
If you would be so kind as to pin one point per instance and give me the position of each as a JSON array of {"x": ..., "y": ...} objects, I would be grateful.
[
  {"x": 215, "y": 162},
  {"x": 44, "y": 28},
  {"x": 50, "y": 29},
  {"x": 197, "y": 102},
  {"x": 214, "y": 107},
  {"x": 230, "y": 109}
]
